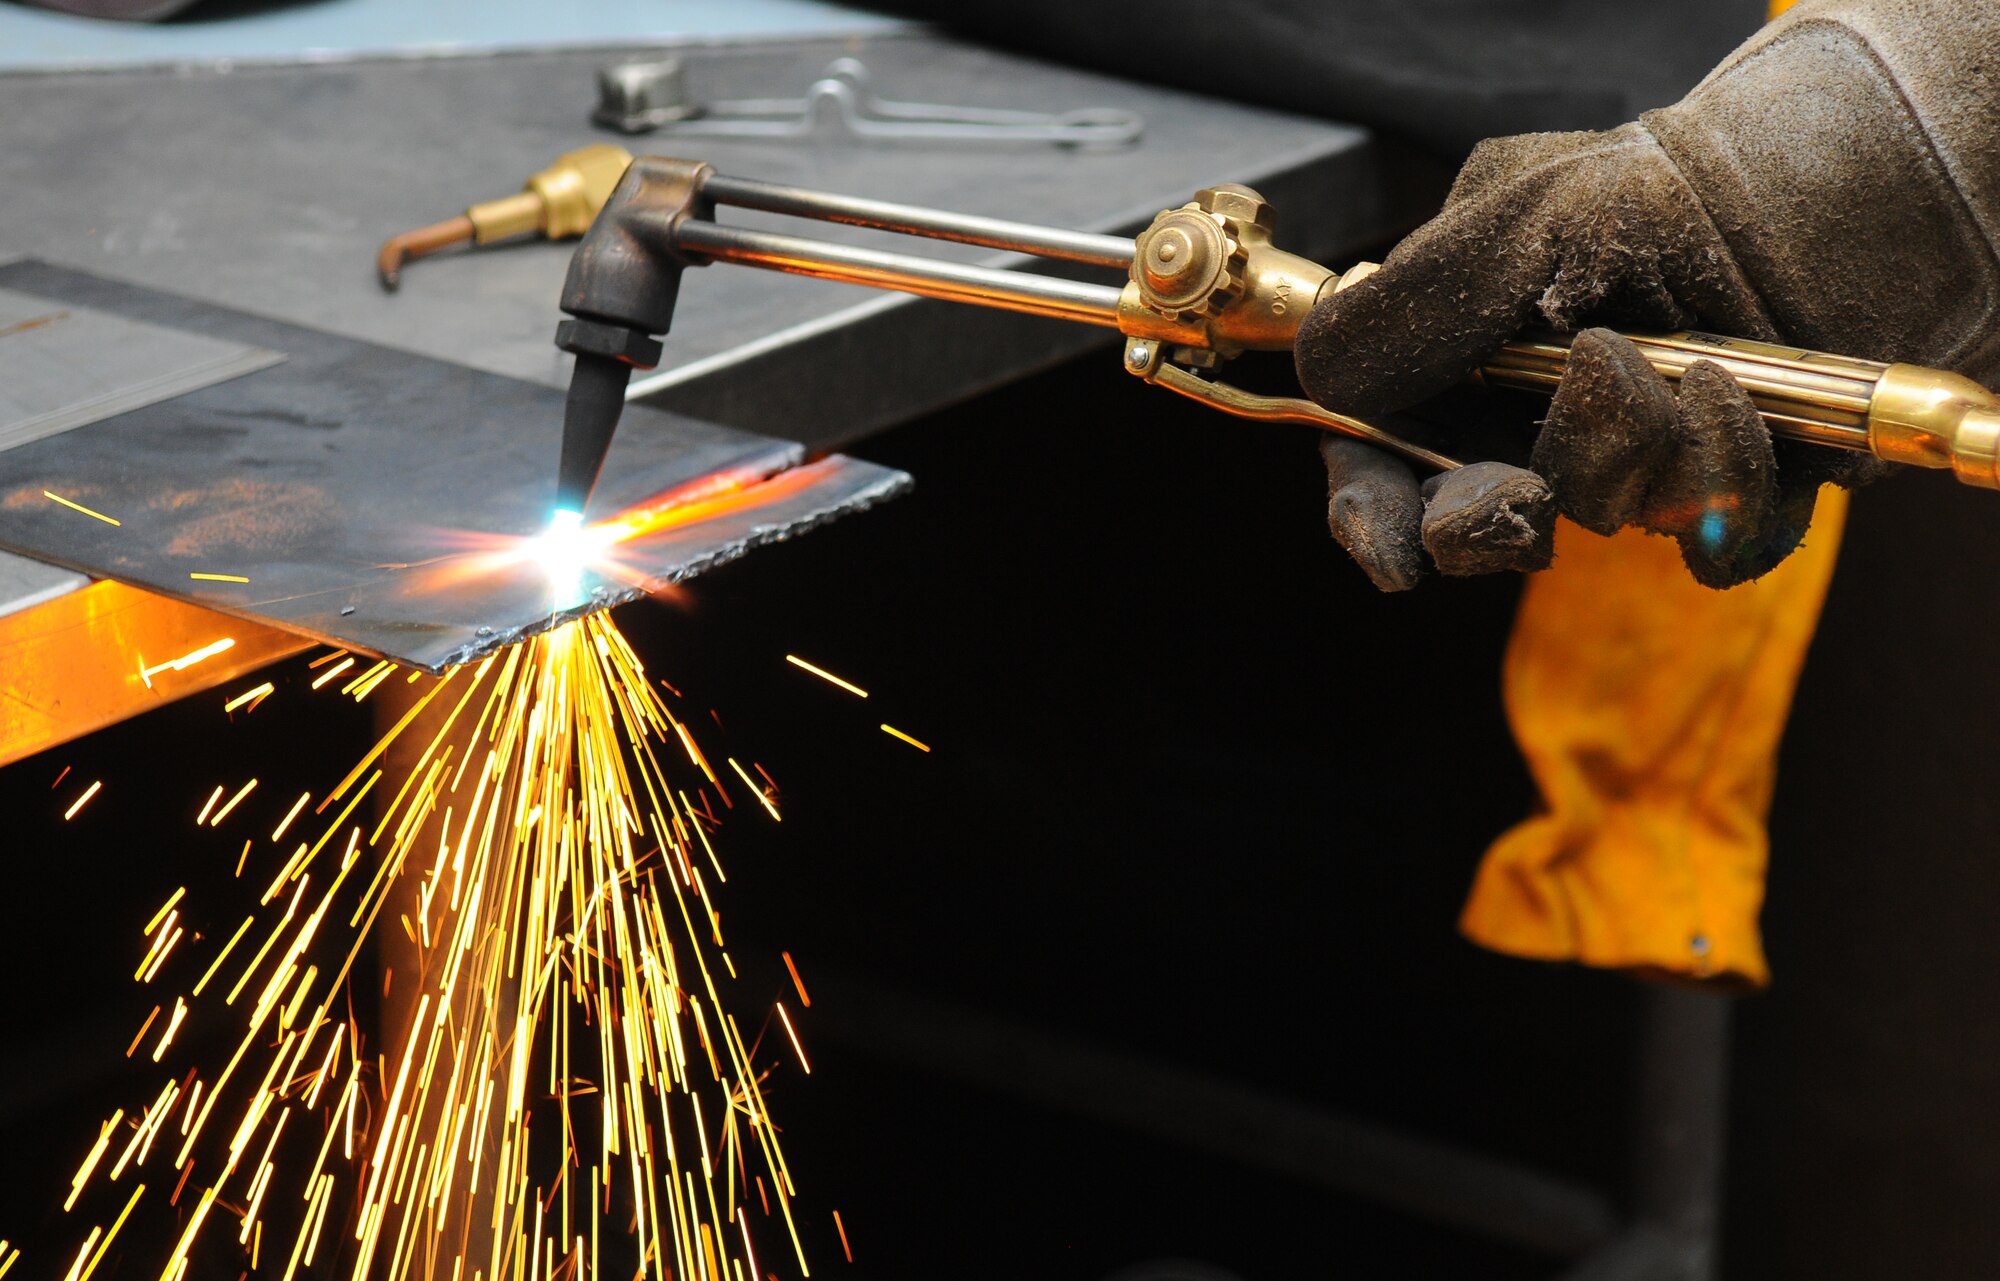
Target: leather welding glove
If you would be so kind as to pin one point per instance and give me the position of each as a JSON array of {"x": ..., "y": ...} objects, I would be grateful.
[{"x": 1835, "y": 183}]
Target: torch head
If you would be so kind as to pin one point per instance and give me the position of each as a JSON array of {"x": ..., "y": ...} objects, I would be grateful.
[{"x": 624, "y": 280}]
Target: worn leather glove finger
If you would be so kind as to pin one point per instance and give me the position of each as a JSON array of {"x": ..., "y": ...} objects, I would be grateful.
[
  {"x": 1621, "y": 447},
  {"x": 1374, "y": 511},
  {"x": 1488, "y": 518}
]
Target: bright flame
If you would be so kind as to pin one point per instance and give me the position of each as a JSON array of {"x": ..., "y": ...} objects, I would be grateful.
[{"x": 567, "y": 547}]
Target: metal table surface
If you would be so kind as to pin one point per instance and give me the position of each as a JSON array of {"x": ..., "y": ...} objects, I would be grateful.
[{"x": 268, "y": 188}]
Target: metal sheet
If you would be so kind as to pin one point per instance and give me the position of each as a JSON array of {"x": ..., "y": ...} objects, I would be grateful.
[
  {"x": 370, "y": 496},
  {"x": 62, "y": 365}
]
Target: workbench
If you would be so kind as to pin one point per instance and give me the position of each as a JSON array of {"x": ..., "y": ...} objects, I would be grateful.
[{"x": 266, "y": 185}]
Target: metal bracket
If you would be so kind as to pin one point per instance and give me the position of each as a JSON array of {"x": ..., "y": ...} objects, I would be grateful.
[{"x": 641, "y": 97}]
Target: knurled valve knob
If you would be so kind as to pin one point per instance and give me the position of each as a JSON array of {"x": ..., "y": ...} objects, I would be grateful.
[{"x": 1192, "y": 259}]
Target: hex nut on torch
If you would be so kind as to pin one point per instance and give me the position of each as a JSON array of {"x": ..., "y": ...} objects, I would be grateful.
[{"x": 622, "y": 343}]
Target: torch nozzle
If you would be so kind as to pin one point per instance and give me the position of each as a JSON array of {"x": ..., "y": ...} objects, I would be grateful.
[{"x": 596, "y": 399}]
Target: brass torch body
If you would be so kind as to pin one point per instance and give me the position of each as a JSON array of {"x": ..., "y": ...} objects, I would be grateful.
[{"x": 1901, "y": 413}]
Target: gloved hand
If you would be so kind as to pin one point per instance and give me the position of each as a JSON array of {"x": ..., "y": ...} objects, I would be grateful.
[{"x": 1835, "y": 183}]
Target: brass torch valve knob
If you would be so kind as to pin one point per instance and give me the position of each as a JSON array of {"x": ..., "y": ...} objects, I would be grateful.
[
  {"x": 1208, "y": 283},
  {"x": 1190, "y": 262}
]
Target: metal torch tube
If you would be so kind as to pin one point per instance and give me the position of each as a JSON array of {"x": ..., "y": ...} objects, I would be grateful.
[
  {"x": 954, "y": 282},
  {"x": 915, "y": 220},
  {"x": 1806, "y": 395},
  {"x": 1901, "y": 413}
]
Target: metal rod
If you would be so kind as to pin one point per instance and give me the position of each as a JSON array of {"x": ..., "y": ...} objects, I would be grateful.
[
  {"x": 954, "y": 282},
  {"x": 915, "y": 220}
]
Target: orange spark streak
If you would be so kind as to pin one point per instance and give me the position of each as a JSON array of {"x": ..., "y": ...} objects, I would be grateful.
[
  {"x": 797, "y": 982},
  {"x": 755, "y": 791},
  {"x": 165, "y": 908},
  {"x": 786, "y": 1019},
  {"x": 142, "y": 1031},
  {"x": 173, "y": 1025},
  {"x": 70, "y": 813},
  {"x": 187, "y": 660},
  {"x": 333, "y": 671},
  {"x": 78, "y": 507},
  {"x": 97, "y": 1258},
  {"x": 291, "y": 814},
  {"x": 222, "y": 955},
  {"x": 251, "y": 696},
  {"x": 843, "y": 1236},
  {"x": 825, "y": 675},
  {"x": 234, "y": 801},
  {"x": 90, "y": 1162},
  {"x": 893, "y": 732}
]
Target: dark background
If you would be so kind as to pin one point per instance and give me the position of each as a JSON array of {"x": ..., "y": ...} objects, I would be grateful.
[{"x": 1202, "y": 797}]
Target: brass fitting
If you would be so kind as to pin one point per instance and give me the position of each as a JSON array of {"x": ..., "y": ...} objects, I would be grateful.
[
  {"x": 1207, "y": 278},
  {"x": 559, "y": 202},
  {"x": 1930, "y": 418}
]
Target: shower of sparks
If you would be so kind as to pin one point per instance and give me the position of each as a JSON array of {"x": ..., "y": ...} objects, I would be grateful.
[
  {"x": 825, "y": 675},
  {"x": 79, "y": 507},
  {"x": 893, "y": 732},
  {"x": 218, "y": 578},
  {"x": 572, "y": 1097}
]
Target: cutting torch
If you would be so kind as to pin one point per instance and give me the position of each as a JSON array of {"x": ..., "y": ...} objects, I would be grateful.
[{"x": 1203, "y": 283}]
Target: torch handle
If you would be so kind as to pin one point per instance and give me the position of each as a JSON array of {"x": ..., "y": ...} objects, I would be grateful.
[{"x": 1902, "y": 413}]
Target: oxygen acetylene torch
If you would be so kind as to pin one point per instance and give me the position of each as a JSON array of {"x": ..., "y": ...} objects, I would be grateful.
[{"x": 1203, "y": 284}]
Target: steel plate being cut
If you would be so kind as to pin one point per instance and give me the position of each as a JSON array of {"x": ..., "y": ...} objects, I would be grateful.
[{"x": 383, "y": 501}]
